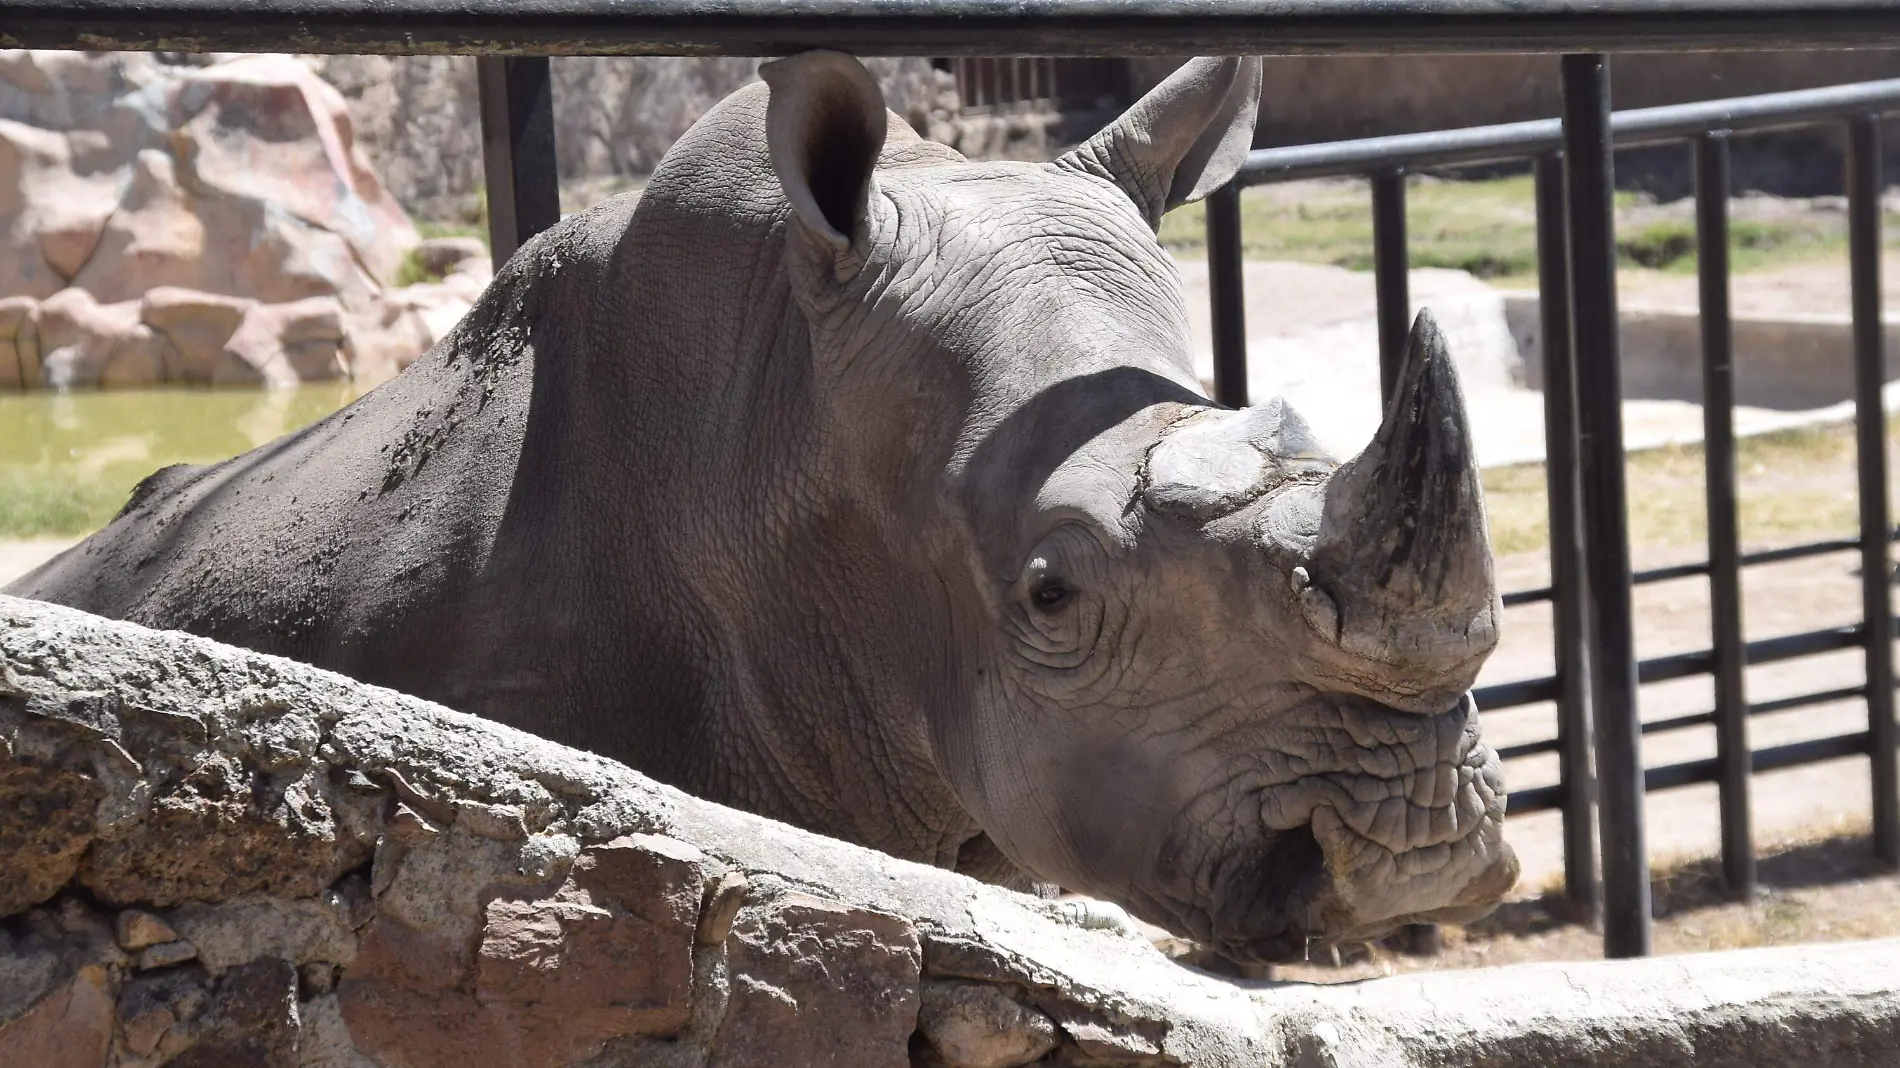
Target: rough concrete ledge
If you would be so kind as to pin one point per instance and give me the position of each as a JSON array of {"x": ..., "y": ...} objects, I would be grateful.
[
  {"x": 1786, "y": 361},
  {"x": 210, "y": 857}
]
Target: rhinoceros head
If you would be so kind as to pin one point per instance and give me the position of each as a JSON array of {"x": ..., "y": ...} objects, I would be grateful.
[{"x": 1191, "y": 663}]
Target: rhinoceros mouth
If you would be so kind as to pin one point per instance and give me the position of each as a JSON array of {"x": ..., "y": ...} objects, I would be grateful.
[{"x": 1403, "y": 825}]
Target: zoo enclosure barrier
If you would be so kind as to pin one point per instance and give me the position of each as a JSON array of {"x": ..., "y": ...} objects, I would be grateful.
[
  {"x": 1589, "y": 563},
  {"x": 1592, "y": 588}
]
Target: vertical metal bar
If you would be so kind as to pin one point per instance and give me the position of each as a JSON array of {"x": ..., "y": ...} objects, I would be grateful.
[
  {"x": 524, "y": 186},
  {"x": 1725, "y": 566},
  {"x": 1568, "y": 622},
  {"x": 1390, "y": 262},
  {"x": 1227, "y": 296},
  {"x": 1593, "y": 330},
  {"x": 1870, "y": 434}
]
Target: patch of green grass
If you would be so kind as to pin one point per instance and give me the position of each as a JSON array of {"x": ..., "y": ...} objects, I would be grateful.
[
  {"x": 478, "y": 229},
  {"x": 35, "y": 506},
  {"x": 1487, "y": 227},
  {"x": 1790, "y": 485},
  {"x": 1670, "y": 244},
  {"x": 470, "y": 219},
  {"x": 68, "y": 461},
  {"x": 412, "y": 271}
]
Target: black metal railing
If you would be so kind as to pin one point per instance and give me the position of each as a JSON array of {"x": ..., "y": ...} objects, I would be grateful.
[
  {"x": 1575, "y": 228},
  {"x": 1591, "y": 580}
]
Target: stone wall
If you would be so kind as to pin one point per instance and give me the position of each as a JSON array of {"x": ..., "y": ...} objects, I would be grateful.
[
  {"x": 203, "y": 223},
  {"x": 210, "y": 857},
  {"x": 1308, "y": 99},
  {"x": 418, "y": 119}
]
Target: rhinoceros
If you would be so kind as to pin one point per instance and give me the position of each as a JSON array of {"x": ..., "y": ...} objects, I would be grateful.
[{"x": 842, "y": 479}]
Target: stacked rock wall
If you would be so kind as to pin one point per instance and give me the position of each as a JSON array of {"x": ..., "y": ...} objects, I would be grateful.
[
  {"x": 418, "y": 119},
  {"x": 214, "y": 858}
]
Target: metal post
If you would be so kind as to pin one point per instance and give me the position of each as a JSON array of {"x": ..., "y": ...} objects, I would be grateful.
[
  {"x": 524, "y": 187},
  {"x": 1593, "y": 325},
  {"x": 1227, "y": 296},
  {"x": 1390, "y": 263},
  {"x": 1725, "y": 567},
  {"x": 1870, "y": 434},
  {"x": 1568, "y": 621}
]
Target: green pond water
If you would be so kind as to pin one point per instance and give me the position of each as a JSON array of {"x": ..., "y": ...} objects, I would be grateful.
[{"x": 68, "y": 460}]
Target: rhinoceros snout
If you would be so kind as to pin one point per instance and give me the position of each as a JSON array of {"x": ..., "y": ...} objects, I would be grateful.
[{"x": 1400, "y": 820}]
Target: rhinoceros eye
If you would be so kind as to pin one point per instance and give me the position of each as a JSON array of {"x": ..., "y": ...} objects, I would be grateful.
[
  {"x": 1050, "y": 594},
  {"x": 1048, "y": 590}
]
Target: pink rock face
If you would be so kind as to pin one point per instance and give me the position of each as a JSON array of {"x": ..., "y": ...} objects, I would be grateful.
[
  {"x": 199, "y": 326},
  {"x": 266, "y": 128},
  {"x": 50, "y": 214},
  {"x": 19, "y": 344},
  {"x": 87, "y": 343},
  {"x": 240, "y": 182}
]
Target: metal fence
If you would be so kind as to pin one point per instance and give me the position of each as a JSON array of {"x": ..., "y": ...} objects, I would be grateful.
[
  {"x": 1590, "y": 577},
  {"x": 1591, "y": 589}
]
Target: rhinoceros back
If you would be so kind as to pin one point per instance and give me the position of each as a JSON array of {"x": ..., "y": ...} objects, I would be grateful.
[{"x": 360, "y": 543}]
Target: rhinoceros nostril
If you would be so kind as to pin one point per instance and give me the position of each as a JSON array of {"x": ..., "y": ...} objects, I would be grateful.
[
  {"x": 1266, "y": 913},
  {"x": 1275, "y": 880},
  {"x": 1293, "y": 866}
]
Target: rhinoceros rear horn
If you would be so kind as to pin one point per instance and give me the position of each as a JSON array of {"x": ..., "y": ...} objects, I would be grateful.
[
  {"x": 1404, "y": 520},
  {"x": 824, "y": 127},
  {"x": 1183, "y": 140}
]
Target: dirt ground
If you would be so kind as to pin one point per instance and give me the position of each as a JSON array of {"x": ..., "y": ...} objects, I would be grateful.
[
  {"x": 1673, "y": 617},
  {"x": 19, "y": 557},
  {"x": 1821, "y": 888}
]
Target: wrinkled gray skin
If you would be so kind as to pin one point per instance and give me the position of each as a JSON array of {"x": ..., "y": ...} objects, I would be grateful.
[{"x": 846, "y": 481}]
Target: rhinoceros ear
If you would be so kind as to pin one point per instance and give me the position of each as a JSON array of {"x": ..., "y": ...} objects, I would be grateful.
[
  {"x": 1183, "y": 140},
  {"x": 824, "y": 126}
]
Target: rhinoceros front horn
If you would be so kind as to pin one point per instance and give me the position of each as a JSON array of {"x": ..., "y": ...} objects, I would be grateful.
[{"x": 1402, "y": 540}]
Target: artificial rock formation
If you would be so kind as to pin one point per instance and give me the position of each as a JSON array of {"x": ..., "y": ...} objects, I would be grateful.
[
  {"x": 199, "y": 224},
  {"x": 214, "y": 857},
  {"x": 419, "y": 123}
]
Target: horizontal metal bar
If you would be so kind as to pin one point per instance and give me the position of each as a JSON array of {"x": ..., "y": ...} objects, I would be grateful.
[
  {"x": 1535, "y": 595},
  {"x": 1798, "y": 552},
  {"x": 1687, "y": 773},
  {"x": 1524, "y": 749},
  {"x": 1803, "y": 700},
  {"x": 1765, "y": 651},
  {"x": 1812, "y": 751},
  {"x": 1760, "y": 708},
  {"x": 1535, "y": 799},
  {"x": 1677, "y": 723},
  {"x": 1795, "y": 754},
  {"x": 1519, "y": 692},
  {"x": 1690, "y": 772},
  {"x": 1521, "y": 140},
  {"x": 1698, "y": 719},
  {"x": 946, "y": 27},
  {"x": 1670, "y": 573},
  {"x": 1539, "y": 594},
  {"x": 1514, "y": 694}
]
